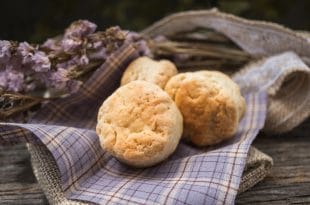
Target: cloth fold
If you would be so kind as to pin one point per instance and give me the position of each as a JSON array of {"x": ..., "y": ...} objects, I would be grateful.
[
  {"x": 47, "y": 174},
  {"x": 65, "y": 129}
]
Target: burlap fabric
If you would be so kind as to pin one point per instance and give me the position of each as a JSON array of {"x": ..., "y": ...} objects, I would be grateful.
[
  {"x": 286, "y": 91},
  {"x": 288, "y": 106}
]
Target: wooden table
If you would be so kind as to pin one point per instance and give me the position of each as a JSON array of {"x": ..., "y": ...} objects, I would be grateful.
[{"x": 288, "y": 182}]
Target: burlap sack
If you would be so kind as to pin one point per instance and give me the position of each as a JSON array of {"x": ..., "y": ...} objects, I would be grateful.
[
  {"x": 289, "y": 97},
  {"x": 260, "y": 39}
]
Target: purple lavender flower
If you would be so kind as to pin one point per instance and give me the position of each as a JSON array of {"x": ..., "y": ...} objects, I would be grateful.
[
  {"x": 37, "y": 60},
  {"x": 41, "y": 62},
  {"x": 133, "y": 37},
  {"x": 73, "y": 61},
  {"x": 96, "y": 45},
  {"x": 80, "y": 28},
  {"x": 73, "y": 37},
  {"x": 11, "y": 79},
  {"x": 143, "y": 48},
  {"x": 74, "y": 85},
  {"x": 58, "y": 79},
  {"x": 71, "y": 44},
  {"x": 5, "y": 51},
  {"x": 3, "y": 79},
  {"x": 25, "y": 50},
  {"x": 84, "y": 60}
]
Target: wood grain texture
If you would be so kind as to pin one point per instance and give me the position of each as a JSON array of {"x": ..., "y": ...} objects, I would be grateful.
[
  {"x": 17, "y": 182},
  {"x": 288, "y": 182}
]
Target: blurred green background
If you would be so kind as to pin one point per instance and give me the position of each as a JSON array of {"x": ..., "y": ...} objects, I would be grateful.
[{"x": 36, "y": 20}]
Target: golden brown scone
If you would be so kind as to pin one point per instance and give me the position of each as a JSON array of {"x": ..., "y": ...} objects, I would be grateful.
[
  {"x": 144, "y": 68},
  {"x": 139, "y": 124},
  {"x": 211, "y": 105}
]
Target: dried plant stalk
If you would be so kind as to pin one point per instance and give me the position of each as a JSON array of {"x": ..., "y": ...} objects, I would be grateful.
[
  {"x": 15, "y": 103},
  {"x": 202, "y": 49}
]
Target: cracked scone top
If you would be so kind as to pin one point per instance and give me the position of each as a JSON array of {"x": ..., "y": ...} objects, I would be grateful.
[
  {"x": 146, "y": 69},
  {"x": 211, "y": 105},
  {"x": 139, "y": 124}
]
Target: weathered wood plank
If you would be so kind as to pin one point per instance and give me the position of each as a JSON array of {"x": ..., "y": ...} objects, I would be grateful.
[
  {"x": 15, "y": 165},
  {"x": 289, "y": 180},
  {"x": 21, "y": 193},
  {"x": 17, "y": 182}
]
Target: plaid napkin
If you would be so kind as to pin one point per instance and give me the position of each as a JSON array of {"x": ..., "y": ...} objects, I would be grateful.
[{"x": 88, "y": 173}]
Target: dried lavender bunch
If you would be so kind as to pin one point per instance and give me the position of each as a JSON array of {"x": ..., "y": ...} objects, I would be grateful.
[
  {"x": 59, "y": 63},
  {"x": 57, "y": 66}
]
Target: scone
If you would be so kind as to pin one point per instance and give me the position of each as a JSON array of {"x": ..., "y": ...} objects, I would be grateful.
[
  {"x": 144, "y": 68},
  {"x": 139, "y": 124},
  {"x": 211, "y": 105}
]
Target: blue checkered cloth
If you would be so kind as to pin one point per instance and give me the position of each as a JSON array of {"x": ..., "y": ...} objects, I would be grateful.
[{"x": 66, "y": 127}]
